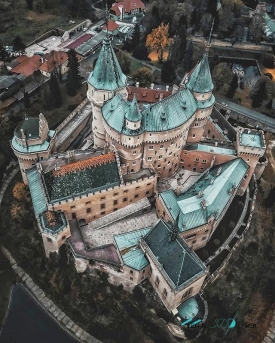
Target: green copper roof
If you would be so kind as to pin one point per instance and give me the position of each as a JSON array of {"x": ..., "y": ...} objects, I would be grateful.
[
  {"x": 164, "y": 115},
  {"x": 81, "y": 178},
  {"x": 210, "y": 148},
  {"x": 53, "y": 222},
  {"x": 200, "y": 80},
  {"x": 133, "y": 114},
  {"x": 30, "y": 126},
  {"x": 135, "y": 259},
  {"x": 32, "y": 148},
  {"x": 188, "y": 309},
  {"x": 107, "y": 74},
  {"x": 127, "y": 244},
  {"x": 252, "y": 140},
  {"x": 36, "y": 190},
  {"x": 177, "y": 260},
  {"x": 207, "y": 103},
  {"x": 213, "y": 189}
]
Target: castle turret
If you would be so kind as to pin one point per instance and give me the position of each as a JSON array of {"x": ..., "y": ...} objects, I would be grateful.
[
  {"x": 200, "y": 84},
  {"x": 105, "y": 81},
  {"x": 250, "y": 146},
  {"x": 133, "y": 116},
  {"x": 32, "y": 142}
]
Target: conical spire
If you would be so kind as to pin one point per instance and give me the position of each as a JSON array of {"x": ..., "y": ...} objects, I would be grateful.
[
  {"x": 107, "y": 74},
  {"x": 133, "y": 114},
  {"x": 200, "y": 80}
]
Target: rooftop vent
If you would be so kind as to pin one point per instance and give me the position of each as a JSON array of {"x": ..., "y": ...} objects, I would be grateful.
[
  {"x": 203, "y": 204},
  {"x": 219, "y": 171},
  {"x": 200, "y": 194}
]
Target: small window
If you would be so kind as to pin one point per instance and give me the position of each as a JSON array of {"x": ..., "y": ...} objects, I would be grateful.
[
  {"x": 103, "y": 198},
  {"x": 131, "y": 272},
  {"x": 170, "y": 153},
  {"x": 49, "y": 240},
  {"x": 197, "y": 159},
  {"x": 102, "y": 213},
  {"x": 151, "y": 147},
  {"x": 193, "y": 242},
  {"x": 134, "y": 152},
  {"x": 160, "y": 157},
  {"x": 102, "y": 206},
  {"x": 172, "y": 142},
  {"x": 136, "y": 196},
  {"x": 157, "y": 282},
  {"x": 88, "y": 210},
  {"x": 196, "y": 124},
  {"x": 148, "y": 184},
  {"x": 125, "y": 199},
  {"x": 147, "y": 192},
  {"x": 194, "y": 135},
  {"x": 149, "y": 158},
  {"x": 138, "y": 187},
  {"x": 115, "y": 202},
  {"x": 88, "y": 203},
  {"x": 63, "y": 237},
  {"x": 248, "y": 160},
  {"x": 115, "y": 209},
  {"x": 126, "y": 191},
  {"x": 131, "y": 278},
  {"x": 164, "y": 293},
  {"x": 206, "y": 231},
  {"x": 203, "y": 238},
  {"x": 203, "y": 161},
  {"x": 72, "y": 207},
  {"x": 134, "y": 163},
  {"x": 168, "y": 163},
  {"x": 161, "y": 146},
  {"x": 159, "y": 166}
]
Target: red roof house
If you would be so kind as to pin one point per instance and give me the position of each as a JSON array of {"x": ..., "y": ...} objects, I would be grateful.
[
  {"x": 127, "y": 7},
  {"x": 27, "y": 65}
]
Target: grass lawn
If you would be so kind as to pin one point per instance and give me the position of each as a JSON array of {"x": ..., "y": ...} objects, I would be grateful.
[{"x": 135, "y": 65}]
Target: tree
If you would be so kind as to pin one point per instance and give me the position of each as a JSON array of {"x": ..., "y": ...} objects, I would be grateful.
[
  {"x": 181, "y": 34},
  {"x": 188, "y": 56},
  {"x": 135, "y": 40},
  {"x": 73, "y": 78},
  {"x": 174, "y": 52},
  {"x": 167, "y": 71},
  {"x": 144, "y": 76},
  {"x": 30, "y": 4},
  {"x": 256, "y": 28},
  {"x": 56, "y": 96},
  {"x": 268, "y": 61},
  {"x": 213, "y": 62},
  {"x": 83, "y": 9},
  {"x": 233, "y": 87},
  {"x": 222, "y": 77},
  {"x": 124, "y": 61},
  {"x": 141, "y": 52},
  {"x": 158, "y": 40},
  {"x": 27, "y": 102},
  {"x": 20, "y": 191},
  {"x": 206, "y": 23},
  {"x": 212, "y": 7},
  {"x": 18, "y": 44}
]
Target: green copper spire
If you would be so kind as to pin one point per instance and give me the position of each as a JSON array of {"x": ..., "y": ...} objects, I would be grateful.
[
  {"x": 200, "y": 80},
  {"x": 133, "y": 114},
  {"x": 107, "y": 74}
]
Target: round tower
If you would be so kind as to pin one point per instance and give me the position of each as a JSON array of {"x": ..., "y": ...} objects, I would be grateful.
[
  {"x": 32, "y": 142},
  {"x": 105, "y": 81},
  {"x": 201, "y": 85}
]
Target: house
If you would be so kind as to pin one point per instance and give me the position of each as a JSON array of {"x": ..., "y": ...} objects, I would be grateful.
[
  {"x": 112, "y": 28},
  {"x": 27, "y": 65},
  {"x": 124, "y": 8},
  {"x": 54, "y": 62}
]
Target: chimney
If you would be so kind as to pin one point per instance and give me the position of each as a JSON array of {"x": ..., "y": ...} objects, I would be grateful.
[
  {"x": 152, "y": 86},
  {"x": 179, "y": 187},
  {"x": 175, "y": 89},
  {"x": 137, "y": 84},
  {"x": 166, "y": 88},
  {"x": 160, "y": 96}
]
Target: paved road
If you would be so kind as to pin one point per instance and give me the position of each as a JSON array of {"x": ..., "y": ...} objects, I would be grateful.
[{"x": 246, "y": 112}]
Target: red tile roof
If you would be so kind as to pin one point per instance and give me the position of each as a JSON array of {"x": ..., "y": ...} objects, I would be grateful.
[
  {"x": 86, "y": 164},
  {"x": 112, "y": 26},
  {"x": 53, "y": 60},
  {"x": 28, "y": 66},
  {"x": 79, "y": 41},
  {"x": 146, "y": 94},
  {"x": 128, "y": 6},
  {"x": 20, "y": 59}
]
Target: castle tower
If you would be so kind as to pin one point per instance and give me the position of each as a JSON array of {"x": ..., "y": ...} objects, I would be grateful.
[
  {"x": 201, "y": 85},
  {"x": 32, "y": 142},
  {"x": 105, "y": 81},
  {"x": 250, "y": 146}
]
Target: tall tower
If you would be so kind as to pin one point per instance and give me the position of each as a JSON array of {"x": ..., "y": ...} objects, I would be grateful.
[
  {"x": 104, "y": 82},
  {"x": 32, "y": 142}
]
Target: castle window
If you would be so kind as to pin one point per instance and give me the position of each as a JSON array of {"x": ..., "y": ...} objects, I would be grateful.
[
  {"x": 87, "y": 203},
  {"x": 134, "y": 152},
  {"x": 49, "y": 240},
  {"x": 196, "y": 124},
  {"x": 88, "y": 210},
  {"x": 197, "y": 159},
  {"x": 194, "y": 135},
  {"x": 102, "y": 206},
  {"x": 248, "y": 160},
  {"x": 194, "y": 169},
  {"x": 102, "y": 213},
  {"x": 131, "y": 272},
  {"x": 182, "y": 160},
  {"x": 161, "y": 146},
  {"x": 125, "y": 199},
  {"x": 138, "y": 187},
  {"x": 136, "y": 196},
  {"x": 206, "y": 231},
  {"x": 190, "y": 236},
  {"x": 151, "y": 147},
  {"x": 193, "y": 242},
  {"x": 170, "y": 153},
  {"x": 160, "y": 157},
  {"x": 164, "y": 293},
  {"x": 115, "y": 209},
  {"x": 203, "y": 161},
  {"x": 168, "y": 163},
  {"x": 149, "y": 158},
  {"x": 134, "y": 163},
  {"x": 147, "y": 192},
  {"x": 172, "y": 142},
  {"x": 115, "y": 194},
  {"x": 148, "y": 184},
  {"x": 131, "y": 279},
  {"x": 103, "y": 198},
  {"x": 63, "y": 237},
  {"x": 126, "y": 191},
  {"x": 188, "y": 292},
  {"x": 203, "y": 238},
  {"x": 72, "y": 207},
  {"x": 115, "y": 202},
  {"x": 157, "y": 282},
  {"x": 158, "y": 165}
]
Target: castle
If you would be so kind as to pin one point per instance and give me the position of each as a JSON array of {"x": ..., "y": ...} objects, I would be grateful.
[{"x": 99, "y": 200}]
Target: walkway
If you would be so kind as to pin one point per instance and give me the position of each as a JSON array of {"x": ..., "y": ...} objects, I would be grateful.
[{"x": 48, "y": 305}]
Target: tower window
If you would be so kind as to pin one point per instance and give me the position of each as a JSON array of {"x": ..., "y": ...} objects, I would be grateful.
[
  {"x": 161, "y": 146},
  {"x": 151, "y": 147},
  {"x": 149, "y": 158},
  {"x": 49, "y": 240},
  {"x": 134, "y": 163},
  {"x": 134, "y": 152}
]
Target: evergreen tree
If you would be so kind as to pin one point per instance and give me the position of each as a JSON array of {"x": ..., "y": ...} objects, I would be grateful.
[
  {"x": 56, "y": 96},
  {"x": 182, "y": 40},
  {"x": 83, "y": 9},
  {"x": 167, "y": 71},
  {"x": 30, "y": 4},
  {"x": 26, "y": 99},
  {"x": 174, "y": 52},
  {"x": 18, "y": 44},
  {"x": 187, "y": 60},
  {"x": 135, "y": 41},
  {"x": 215, "y": 60},
  {"x": 233, "y": 86},
  {"x": 73, "y": 78}
]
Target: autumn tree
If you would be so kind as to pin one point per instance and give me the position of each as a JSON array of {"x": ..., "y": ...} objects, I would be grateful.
[
  {"x": 20, "y": 191},
  {"x": 144, "y": 76},
  {"x": 158, "y": 40}
]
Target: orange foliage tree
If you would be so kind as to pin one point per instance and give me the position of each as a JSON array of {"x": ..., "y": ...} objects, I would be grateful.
[
  {"x": 20, "y": 191},
  {"x": 158, "y": 40}
]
